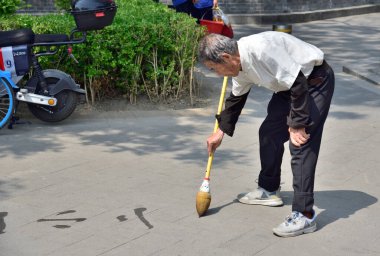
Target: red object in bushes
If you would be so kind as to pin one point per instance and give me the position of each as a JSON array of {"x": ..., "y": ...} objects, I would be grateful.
[{"x": 217, "y": 27}]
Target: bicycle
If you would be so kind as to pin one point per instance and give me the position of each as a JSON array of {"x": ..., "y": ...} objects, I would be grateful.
[{"x": 51, "y": 95}]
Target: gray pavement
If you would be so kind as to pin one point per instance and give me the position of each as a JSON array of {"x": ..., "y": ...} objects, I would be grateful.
[{"x": 124, "y": 183}]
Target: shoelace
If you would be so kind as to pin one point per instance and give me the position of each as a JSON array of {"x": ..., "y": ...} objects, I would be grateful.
[{"x": 292, "y": 218}]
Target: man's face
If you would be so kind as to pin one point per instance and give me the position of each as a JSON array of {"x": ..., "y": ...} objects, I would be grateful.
[{"x": 230, "y": 66}]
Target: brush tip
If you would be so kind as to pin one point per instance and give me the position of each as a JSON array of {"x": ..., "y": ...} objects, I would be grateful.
[{"x": 203, "y": 201}]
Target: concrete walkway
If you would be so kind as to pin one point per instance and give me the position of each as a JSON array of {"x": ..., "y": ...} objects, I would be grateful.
[{"x": 124, "y": 183}]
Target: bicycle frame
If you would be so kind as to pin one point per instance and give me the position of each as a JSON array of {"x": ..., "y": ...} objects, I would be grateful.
[
  {"x": 49, "y": 51},
  {"x": 71, "y": 41},
  {"x": 7, "y": 76}
]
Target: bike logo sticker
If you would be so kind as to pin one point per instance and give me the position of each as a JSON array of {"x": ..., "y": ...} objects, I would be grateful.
[
  {"x": 15, "y": 59},
  {"x": 7, "y": 60}
]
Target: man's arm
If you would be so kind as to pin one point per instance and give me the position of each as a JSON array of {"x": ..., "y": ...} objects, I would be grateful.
[
  {"x": 230, "y": 115},
  {"x": 227, "y": 120},
  {"x": 299, "y": 116}
]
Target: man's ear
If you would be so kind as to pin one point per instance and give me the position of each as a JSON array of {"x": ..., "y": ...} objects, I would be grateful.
[{"x": 226, "y": 56}]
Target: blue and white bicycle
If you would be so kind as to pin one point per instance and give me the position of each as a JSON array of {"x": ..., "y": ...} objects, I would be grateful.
[{"x": 51, "y": 95}]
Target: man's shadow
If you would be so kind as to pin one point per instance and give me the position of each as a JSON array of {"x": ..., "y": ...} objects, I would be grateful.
[{"x": 335, "y": 204}]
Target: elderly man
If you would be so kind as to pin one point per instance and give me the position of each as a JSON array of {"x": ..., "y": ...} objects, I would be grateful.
[{"x": 303, "y": 85}]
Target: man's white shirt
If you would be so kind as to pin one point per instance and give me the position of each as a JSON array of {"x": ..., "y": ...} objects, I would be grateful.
[{"x": 273, "y": 60}]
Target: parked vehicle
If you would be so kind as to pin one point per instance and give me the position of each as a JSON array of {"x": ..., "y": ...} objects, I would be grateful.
[{"x": 51, "y": 94}]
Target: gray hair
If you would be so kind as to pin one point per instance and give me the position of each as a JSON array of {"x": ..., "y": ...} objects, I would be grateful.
[{"x": 212, "y": 46}]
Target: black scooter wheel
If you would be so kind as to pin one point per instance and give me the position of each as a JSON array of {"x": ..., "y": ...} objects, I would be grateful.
[{"x": 66, "y": 103}]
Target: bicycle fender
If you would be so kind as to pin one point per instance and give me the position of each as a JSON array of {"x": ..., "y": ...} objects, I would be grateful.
[
  {"x": 65, "y": 82},
  {"x": 8, "y": 77}
]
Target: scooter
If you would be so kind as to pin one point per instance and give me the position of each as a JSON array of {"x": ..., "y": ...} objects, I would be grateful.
[{"x": 51, "y": 95}]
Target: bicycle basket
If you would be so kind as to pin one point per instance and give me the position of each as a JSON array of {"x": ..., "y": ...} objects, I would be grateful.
[{"x": 93, "y": 14}]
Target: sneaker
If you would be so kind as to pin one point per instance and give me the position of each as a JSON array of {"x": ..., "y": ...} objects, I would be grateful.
[
  {"x": 262, "y": 197},
  {"x": 296, "y": 224}
]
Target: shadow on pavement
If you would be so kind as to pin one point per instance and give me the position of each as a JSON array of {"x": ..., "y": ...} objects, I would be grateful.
[
  {"x": 217, "y": 209},
  {"x": 336, "y": 204},
  {"x": 9, "y": 185}
]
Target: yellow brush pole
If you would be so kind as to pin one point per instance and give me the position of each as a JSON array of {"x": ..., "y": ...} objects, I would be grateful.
[
  {"x": 220, "y": 106},
  {"x": 203, "y": 198}
]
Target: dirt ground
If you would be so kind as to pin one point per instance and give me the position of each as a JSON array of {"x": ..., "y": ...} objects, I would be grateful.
[
  {"x": 120, "y": 104},
  {"x": 206, "y": 94}
]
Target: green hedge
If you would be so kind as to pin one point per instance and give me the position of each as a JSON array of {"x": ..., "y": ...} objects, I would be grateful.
[
  {"x": 149, "y": 49},
  {"x": 62, "y": 4},
  {"x": 8, "y": 6}
]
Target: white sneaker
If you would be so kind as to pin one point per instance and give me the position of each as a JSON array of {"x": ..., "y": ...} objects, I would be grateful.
[
  {"x": 262, "y": 197},
  {"x": 296, "y": 224}
]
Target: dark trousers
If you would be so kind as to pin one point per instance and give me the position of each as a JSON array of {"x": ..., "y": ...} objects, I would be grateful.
[
  {"x": 185, "y": 7},
  {"x": 274, "y": 133},
  {"x": 202, "y": 13}
]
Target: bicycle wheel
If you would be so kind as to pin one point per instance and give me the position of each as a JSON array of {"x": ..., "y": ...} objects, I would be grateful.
[
  {"x": 6, "y": 102},
  {"x": 67, "y": 102}
]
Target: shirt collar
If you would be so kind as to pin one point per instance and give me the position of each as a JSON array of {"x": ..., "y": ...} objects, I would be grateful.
[{"x": 243, "y": 58}]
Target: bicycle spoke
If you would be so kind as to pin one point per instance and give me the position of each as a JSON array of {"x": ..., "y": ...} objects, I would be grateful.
[
  {"x": 3, "y": 112},
  {"x": 6, "y": 103}
]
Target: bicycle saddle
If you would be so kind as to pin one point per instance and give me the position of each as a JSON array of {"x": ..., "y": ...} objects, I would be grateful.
[{"x": 16, "y": 37}]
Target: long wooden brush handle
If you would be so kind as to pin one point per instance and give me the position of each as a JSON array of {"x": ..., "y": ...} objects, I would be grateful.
[{"x": 220, "y": 106}]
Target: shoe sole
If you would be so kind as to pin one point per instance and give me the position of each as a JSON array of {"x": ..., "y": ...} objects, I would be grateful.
[
  {"x": 310, "y": 229},
  {"x": 271, "y": 202}
]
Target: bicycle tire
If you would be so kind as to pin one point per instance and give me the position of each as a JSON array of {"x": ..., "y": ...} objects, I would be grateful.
[
  {"x": 6, "y": 102},
  {"x": 67, "y": 102}
]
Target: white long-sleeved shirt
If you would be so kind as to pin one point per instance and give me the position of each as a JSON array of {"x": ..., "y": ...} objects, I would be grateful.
[{"x": 273, "y": 60}]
